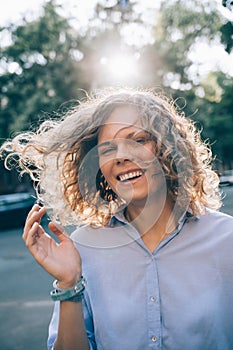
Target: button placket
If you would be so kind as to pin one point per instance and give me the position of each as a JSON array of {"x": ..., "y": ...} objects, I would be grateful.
[{"x": 154, "y": 316}]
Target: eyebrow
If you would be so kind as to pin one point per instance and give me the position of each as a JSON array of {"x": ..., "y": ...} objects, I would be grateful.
[{"x": 135, "y": 132}]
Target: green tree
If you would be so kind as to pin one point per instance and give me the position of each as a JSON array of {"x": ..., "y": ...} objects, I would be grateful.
[
  {"x": 40, "y": 70},
  {"x": 181, "y": 25},
  {"x": 227, "y": 35},
  {"x": 207, "y": 99},
  {"x": 220, "y": 121}
]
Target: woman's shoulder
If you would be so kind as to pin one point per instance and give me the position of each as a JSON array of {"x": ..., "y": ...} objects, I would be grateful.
[
  {"x": 218, "y": 216},
  {"x": 215, "y": 222},
  {"x": 95, "y": 237},
  {"x": 80, "y": 231}
]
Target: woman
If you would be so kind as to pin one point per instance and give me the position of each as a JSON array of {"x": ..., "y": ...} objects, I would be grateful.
[{"x": 151, "y": 252}]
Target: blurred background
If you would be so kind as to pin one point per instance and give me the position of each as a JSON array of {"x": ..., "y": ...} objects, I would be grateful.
[{"x": 54, "y": 52}]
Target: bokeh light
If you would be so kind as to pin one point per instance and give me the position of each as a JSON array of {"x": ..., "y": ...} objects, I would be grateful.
[{"x": 120, "y": 68}]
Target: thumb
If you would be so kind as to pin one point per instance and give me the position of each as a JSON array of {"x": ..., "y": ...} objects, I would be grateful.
[{"x": 58, "y": 230}]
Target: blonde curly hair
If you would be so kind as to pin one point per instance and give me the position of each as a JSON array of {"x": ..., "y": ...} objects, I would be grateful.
[{"x": 55, "y": 156}]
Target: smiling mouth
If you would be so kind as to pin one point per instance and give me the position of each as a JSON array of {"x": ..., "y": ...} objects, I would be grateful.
[{"x": 130, "y": 176}]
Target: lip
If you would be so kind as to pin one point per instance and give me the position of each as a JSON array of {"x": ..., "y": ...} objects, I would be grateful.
[
  {"x": 129, "y": 171},
  {"x": 127, "y": 182}
]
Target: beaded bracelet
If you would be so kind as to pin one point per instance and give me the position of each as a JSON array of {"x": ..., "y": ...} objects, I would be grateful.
[{"x": 73, "y": 294}]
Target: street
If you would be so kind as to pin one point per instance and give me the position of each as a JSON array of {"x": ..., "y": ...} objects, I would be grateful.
[{"x": 25, "y": 306}]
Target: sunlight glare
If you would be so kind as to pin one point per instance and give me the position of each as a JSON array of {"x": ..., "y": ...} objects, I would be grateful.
[{"x": 120, "y": 67}]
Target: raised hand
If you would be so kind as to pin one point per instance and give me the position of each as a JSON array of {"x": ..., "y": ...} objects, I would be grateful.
[{"x": 61, "y": 260}]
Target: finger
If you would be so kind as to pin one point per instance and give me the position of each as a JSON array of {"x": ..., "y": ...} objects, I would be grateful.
[
  {"x": 58, "y": 230},
  {"x": 33, "y": 234},
  {"x": 35, "y": 208},
  {"x": 34, "y": 215},
  {"x": 28, "y": 222}
]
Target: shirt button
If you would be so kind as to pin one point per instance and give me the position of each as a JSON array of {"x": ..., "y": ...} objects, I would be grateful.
[
  {"x": 153, "y": 299},
  {"x": 154, "y": 339}
]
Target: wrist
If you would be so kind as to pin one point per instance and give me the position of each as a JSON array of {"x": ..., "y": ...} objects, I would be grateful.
[
  {"x": 60, "y": 285},
  {"x": 63, "y": 285},
  {"x": 75, "y": 293}
]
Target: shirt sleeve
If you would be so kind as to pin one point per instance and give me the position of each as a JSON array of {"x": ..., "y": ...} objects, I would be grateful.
[
  {"x": 53, "y": 326},
  {"x": 87, "y": 313}
]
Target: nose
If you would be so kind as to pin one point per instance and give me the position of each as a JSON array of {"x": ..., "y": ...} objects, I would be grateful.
[{"x": 123, "y": 153}]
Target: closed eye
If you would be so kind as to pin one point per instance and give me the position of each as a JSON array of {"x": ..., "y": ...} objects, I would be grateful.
[
  {"x": 142, "y": 140},
  {"x": 106, "y": 151}
]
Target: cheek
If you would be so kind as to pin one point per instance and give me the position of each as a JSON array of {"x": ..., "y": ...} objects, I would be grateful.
[
  {"x": 150, "y": 151},
  {"x": 102, "y": 163},
  {"x": 105, "y": 168},
  {"x": 145, "y": 153}
]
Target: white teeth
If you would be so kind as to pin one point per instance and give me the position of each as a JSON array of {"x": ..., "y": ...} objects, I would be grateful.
[{"x": 130, "y": 175}]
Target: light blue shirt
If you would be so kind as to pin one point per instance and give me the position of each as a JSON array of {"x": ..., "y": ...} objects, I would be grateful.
[{"x": 178, "y": 298}]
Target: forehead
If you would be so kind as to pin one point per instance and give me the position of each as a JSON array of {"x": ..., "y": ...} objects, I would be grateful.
[{"x": 121, "y": 121}]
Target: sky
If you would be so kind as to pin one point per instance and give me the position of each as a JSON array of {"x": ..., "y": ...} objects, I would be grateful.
[{"x": 14, "y": 9}]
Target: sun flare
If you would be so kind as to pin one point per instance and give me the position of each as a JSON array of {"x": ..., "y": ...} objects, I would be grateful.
[{"x": 120, "y": 67}]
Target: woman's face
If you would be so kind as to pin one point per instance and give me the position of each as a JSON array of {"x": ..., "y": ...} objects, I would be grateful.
[{"x": 127, "y": 158}]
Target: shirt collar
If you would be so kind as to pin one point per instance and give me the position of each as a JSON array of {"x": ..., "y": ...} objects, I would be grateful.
[{"x": 120, "y": 217}]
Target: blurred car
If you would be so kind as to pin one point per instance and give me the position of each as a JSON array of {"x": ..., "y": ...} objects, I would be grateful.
[
  {"x": 14, "y": 208},
  {"x": 226, "y": 178}
]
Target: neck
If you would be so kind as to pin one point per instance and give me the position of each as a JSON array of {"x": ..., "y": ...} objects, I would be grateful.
[{"x": 152, "y": 222}]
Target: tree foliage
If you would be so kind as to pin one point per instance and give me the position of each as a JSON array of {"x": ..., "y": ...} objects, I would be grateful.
[
  {"x": 40, "y": 70},
  {"x": 207, "y": 99}
]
